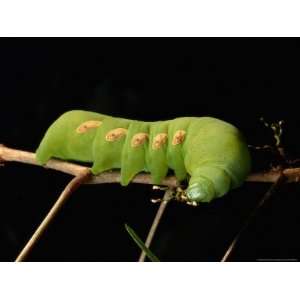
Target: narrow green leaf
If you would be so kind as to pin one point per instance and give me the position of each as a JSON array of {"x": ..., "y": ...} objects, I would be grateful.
[{"x": 140, "y": 243}]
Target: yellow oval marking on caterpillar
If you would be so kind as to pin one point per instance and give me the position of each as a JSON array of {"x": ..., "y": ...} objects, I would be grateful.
[
  {"x": 139, "y": 139},
  {"x": 159, "y": 140},
  {"x": 115, "y": 134},
  {"x": 178, "y": 137},
  {"x": 85, "y": 126}
]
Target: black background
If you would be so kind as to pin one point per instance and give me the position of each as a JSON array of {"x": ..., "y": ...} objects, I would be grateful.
[{"x": 238, "y": 80}]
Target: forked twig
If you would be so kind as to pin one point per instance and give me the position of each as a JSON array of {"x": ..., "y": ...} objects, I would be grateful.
[
  {"x": 162, "y": 207},
  {"x": 66, "y": 193},
  {"x": 291, "y": 174},
  {"x": 266, "y": 197}
]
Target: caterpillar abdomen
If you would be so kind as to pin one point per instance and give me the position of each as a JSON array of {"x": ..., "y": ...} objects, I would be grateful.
[
  {"x": 157, "y": 163},
  {"x": 209, "y": 150}
]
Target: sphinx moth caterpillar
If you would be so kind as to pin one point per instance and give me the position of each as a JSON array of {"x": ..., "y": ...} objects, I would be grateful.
[{"x": 210, "y": 152}]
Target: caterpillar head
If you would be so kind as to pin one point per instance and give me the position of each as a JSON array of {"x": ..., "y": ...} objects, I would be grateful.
[
  {"x": 208, "y": 182},
  {"x": 200, "y": 191}
]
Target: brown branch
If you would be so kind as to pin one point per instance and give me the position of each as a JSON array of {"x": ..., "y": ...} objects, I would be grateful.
[
  {"x": 66, "y": 193},
  {"x": 8, "y": 154},
  {"x": 279, "y": 180},
  {"x": 162, "y": 207}
]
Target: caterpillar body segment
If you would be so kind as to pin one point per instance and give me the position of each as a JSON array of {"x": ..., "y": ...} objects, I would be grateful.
[
  {"x": 211, "y": 153},
  {"x": 177, "y": 131},
  {"x": 108, "y": 144},
  {"x": 157, "y": 163},
  {"x": 63, "y": 140},
  {"x": 135, "y": 148}
]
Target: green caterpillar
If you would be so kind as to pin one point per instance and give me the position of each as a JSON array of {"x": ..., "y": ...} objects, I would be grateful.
[{"x": 211, "y": 152}]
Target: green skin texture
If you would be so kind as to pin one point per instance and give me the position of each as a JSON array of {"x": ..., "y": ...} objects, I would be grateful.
[{"x": 214, "y": 155}]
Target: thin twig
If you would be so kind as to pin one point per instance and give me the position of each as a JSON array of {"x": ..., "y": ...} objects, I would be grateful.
[
  {"x": 280, "y": 179},
  {"x": 8, "y": 154},
  {"x": 67, "y": 192},
  {"x": 162, "y": 207}
]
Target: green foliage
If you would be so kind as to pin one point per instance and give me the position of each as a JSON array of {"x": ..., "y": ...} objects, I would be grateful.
[{"x": 140, "y": 243}]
